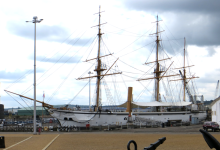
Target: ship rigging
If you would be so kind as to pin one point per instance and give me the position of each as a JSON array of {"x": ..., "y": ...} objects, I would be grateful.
[{"x": 161, "y": 73}]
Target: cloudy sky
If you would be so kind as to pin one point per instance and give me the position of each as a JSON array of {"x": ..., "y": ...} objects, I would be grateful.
[{"x": 65, "y": 39}]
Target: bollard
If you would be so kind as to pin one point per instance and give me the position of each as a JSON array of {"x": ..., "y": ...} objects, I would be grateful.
[
  {"x": 39, "y": 130},
  {"x": 2, "y": 142},
  {"x": 163, "y": 125}
]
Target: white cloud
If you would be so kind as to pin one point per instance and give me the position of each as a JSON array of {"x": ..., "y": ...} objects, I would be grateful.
[{"x": 122, "y": 30}]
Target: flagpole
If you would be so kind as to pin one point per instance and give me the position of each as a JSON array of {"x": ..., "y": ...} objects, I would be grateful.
[{"x": 42, "y": 110}]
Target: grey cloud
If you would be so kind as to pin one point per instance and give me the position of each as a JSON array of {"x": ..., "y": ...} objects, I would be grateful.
[
  {"x": 64, "y": 59},
  {"x": 17, "y": 74},
  {"x": 206, "y": 80},
  {"x": 11, "y": 75},
  {"x": 211, "y": 51},
  {"x": 171, "y": 5},
  {"x": 45, "y": 32},
  {"x": 210, "y": 77},
  {"x": 198, "y": 21}
]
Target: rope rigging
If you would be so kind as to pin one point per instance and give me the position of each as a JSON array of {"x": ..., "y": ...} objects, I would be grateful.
[
  {"x": 19, "y": 102},
  {"x": 78, "y": 93},
  {"x": 31, "y": 70},
  {"x": 66, "y": 77},
  {"x": 169, "y": 89},
  {"x": 126, "y": 30},
  {"x": 28, "y": 89}
]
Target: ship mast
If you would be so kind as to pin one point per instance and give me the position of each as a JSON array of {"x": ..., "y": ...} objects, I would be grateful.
[
  {"x": 98, "y": 70},
  {"x": 157, "y": 72},
  {"x": 184, "y": 74},
  {"x": 100, "y": 67}
]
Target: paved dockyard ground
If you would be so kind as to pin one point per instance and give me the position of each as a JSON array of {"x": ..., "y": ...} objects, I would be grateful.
[{"x": 177, "y": 138}]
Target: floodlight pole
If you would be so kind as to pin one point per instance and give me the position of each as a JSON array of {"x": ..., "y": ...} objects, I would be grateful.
[
  {"x": 34, "y": 131},
  {"x": 35, "y": 21},
  {"x": 89, "y": 91}
]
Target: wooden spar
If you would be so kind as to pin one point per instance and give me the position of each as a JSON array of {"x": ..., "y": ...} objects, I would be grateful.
[
  {"x": 158, "y": 77},
  {"x": 43, "y": 104},
  {"x": 185, "y": 78},
  {"x": 184, "y": 67},
  {"x": 166, "y": 71},
  {"x": 99, "y": 57},
  {"x": 109, "y": 69},
  {"x": 99, "y": 75},
  {"x": 157, "y": 21},
  {"x": 158, "y": 60},
  {"x": 130, "y": 89},
  {"x": 190, "y": 79},
  {"x": 98, "y": 24},
  {"x": 157, "y": 32}
]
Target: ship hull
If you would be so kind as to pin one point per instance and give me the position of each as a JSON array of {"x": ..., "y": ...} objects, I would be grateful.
[
  {"x": 169, "y": 116},
  {"x": 83, "y": 119}
]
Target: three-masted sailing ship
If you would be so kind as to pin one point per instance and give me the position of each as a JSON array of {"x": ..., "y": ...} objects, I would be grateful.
[{"x": 97, "y": 116}]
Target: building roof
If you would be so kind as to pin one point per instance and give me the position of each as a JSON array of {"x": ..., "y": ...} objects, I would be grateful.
[{"x": 32, "y": 108}]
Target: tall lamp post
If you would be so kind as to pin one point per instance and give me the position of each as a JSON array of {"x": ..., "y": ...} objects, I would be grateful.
[
  {"x": 89, "y": 91},
  {"x": 35, "y": 21}
]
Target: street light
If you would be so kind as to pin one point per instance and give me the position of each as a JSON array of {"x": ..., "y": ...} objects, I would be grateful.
[
  {"x": 89, "y": 91},
  {"x": 35, "y": 21}
]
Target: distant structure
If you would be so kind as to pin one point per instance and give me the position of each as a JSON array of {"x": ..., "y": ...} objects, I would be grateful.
[
  {"x": 28, "y": 111},
  {"x": 217, "y": 90},
  {"x": 215, "y": 106},
  {"x": 2, "y": 111},
  {"x": 1, "y": 106},
  {"x": 0, "y": 92}
]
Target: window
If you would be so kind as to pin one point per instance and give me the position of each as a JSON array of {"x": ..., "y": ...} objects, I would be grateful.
[{"x": 213, "y": 113}]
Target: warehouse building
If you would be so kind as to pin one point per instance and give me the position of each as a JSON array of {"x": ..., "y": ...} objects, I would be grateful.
[{"x": 28, "y": 111}]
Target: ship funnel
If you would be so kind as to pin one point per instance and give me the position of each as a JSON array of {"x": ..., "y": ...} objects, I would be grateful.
[{"x": 130, "y": 90}]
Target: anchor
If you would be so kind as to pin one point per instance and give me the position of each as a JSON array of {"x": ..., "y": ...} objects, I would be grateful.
[{"x": 152, "y": 146}]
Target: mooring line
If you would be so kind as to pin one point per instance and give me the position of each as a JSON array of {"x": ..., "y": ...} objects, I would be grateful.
[
  {"x": 50, "y": 143},
  {"x": 18, "y": 143}
]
